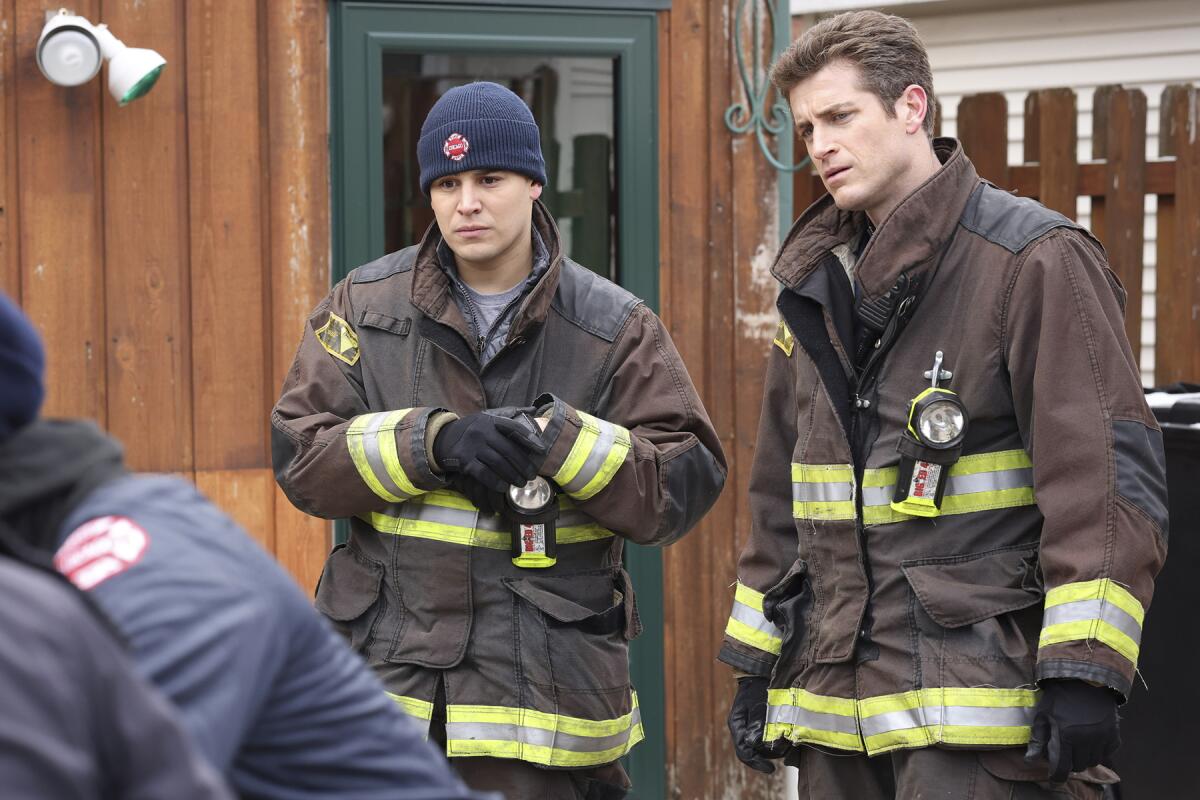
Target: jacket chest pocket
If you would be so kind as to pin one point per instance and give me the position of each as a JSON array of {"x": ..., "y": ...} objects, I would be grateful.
[
  {"x": 572, "y": 631},
  {"x": 390, "y": 359}
]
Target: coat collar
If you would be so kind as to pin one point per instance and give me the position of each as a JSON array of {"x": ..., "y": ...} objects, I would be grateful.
[
  {"x": 431, "y": 291},
  {"x": 908, "y": 238}
]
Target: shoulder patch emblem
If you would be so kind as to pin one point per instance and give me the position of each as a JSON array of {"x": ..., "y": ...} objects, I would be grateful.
[
  {"x": 784, "y": 339},
  {"x": 338, "y": 339},
  {"x": 99, "y": 549}
]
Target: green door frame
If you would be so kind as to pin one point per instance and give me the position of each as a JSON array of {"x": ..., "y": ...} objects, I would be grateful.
[{"x": 361, "y": 33}]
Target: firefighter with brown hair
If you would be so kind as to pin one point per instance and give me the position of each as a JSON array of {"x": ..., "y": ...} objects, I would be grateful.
[
  {"x": 484, "y": 371},
  {"x": 958, "y": 493}
]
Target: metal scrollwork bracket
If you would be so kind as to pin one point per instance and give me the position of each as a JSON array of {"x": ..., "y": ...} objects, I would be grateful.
[{"x": 766, "y": 120}]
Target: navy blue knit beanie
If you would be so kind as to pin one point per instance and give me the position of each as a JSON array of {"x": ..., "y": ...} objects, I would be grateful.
[
  {"x": 479, "y": 126},
  {"x": 22, "y": 362}
]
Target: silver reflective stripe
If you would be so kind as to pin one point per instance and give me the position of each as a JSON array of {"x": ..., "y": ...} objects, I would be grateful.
[
  {"x": 990, "y": 481},
  {"x": 754, "y": 619},
  {"x": 1087, "y": 610},
  {"x": 595, "y": 459},
  {"x": 456, "y": 517},
  {"x": 813, "y": 492},
  {"x": 814, "y": 720},
  {"x": 370, "y": 443},
  {"x": 877, "y": 495},
  {"x": 960, "y": 484},
  {"x": 961, "y": 716}
]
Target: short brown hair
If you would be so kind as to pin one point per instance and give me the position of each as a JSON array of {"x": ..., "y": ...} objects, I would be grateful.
[{"x": 886, "y": 49}]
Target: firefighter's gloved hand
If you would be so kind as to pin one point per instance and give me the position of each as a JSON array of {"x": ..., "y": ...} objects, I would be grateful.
[
  {"x": 1074, "y": 727},
  {"x": 748, "y": 721},
  {"x": 486, "y": 448}
]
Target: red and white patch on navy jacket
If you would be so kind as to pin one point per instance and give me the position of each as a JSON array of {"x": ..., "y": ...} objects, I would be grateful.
[
  {"x": 456, "y": 146},
  {"x": 99, "y": 549}
]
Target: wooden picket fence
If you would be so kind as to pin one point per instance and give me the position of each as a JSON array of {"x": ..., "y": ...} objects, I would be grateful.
[{"x": 1117, "y": 179}]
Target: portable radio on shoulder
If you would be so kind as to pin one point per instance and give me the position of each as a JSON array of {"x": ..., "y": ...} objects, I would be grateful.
[{"x": 932, "y": 443}]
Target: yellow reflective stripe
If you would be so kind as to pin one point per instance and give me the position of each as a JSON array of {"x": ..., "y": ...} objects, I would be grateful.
[
  {"x": 539, "y": 737},
  {"x": 528, "y": 717},
  {"x": 1088, "y": 630},
  {"x": 801, "y": 716},
  {"x": 748, "y": 597},
  {"x": 358, "y": 455},
  {"x": 421, "y": 709},
  {"x": 822, "y": 473},
  {"x": 391, "y": 458},
  {"x": 540, "y": 754},
  {"x": 589, "y": 434},
  {"x": 964, "y": 716},
  {"x": 822, "y": 491},
  {"x": 991, "y": 462},
  {"x": 362, "y": 443},
  {"x": 421, "y": 523},
  {"x": 759, "y": 639},
  {"x": 875, "y": 513},
  {"x": 612, "y": 463},
  {"x": 1099, "y": 589},
  {"x": 825, "y": 511}
]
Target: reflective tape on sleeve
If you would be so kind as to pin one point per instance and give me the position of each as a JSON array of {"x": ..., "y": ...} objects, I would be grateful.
[
  {"x": 979, "y": 482},
  {"x": 748, "y": 625},
  {"x": 597, "y": 454},
  {"x": 371, "y": 440},
  {"x": 822, "y": 491},
  {"x": 801, "y": 716},
  {"x": 1094, "y": 611},
  {"x": 551, "y": 740}
]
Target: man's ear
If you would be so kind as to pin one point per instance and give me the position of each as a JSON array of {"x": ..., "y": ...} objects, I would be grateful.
[
  {"x": 535, "y": 190},
  {"x": 912, "y": 106}
]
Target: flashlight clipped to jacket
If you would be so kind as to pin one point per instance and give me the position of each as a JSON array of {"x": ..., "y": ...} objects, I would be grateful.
[
  {"x": 930, "y": 446},
  {"x": 532, "y": 513}
]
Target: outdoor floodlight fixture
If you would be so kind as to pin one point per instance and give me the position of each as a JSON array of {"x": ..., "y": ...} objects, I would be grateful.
[{"x": 71, "y": 49}]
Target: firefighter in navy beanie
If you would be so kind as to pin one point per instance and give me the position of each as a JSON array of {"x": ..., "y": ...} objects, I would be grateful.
[{"x": 22, "y": 363}]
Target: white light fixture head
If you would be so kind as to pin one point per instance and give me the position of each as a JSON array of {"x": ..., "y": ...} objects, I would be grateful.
[{"x": 70, "y": 50}]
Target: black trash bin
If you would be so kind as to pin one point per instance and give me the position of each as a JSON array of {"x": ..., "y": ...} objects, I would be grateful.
[{"x": 1158, "y": 759}]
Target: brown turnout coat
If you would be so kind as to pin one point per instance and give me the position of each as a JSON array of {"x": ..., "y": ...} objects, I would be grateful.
[
  {"x": 534, "y": 662},
  {"x": 882, "y": 630}
]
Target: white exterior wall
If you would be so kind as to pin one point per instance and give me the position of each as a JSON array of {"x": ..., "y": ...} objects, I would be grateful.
[{"x": 977, "y": 48}]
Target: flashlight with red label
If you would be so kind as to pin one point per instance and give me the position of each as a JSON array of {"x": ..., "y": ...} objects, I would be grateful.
[
  {"x": 937, "y": 425},
  {"x": 532, "y": 509}
]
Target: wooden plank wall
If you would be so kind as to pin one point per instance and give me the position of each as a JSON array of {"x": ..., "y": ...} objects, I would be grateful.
[
  {"x": 170, "y": 250},
  {"x": 719, "y": 231}
]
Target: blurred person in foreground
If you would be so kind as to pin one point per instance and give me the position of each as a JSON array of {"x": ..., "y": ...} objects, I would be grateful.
[{"x": 270, "y": 695}]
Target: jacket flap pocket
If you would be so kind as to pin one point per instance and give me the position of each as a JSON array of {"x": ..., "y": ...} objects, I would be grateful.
[
  {"x": 589, "y": 600},
  {"x": 349, "y": 585},
  {"x": 962, "y": 590},
  {"x": 384, "y": 322}
]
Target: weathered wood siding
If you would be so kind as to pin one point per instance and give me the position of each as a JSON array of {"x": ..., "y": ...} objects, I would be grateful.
[
  {"x": 719, "y": 232},
  {"x": 169, "y": 250}
]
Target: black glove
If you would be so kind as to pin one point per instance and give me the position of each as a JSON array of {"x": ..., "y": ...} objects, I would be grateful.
[
  {"x": 487, "y": 449},
  {"x": 748, "y": 721},
  {"x": 1074, "y": 727}
]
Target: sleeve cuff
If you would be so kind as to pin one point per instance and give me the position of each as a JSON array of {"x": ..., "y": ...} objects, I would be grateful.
[
  {"x": 745, "y": 665},
  {"x": 1096, "y": 674}
]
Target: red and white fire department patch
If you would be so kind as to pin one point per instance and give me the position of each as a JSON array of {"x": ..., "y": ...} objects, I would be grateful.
[
  {"x": 456, "y": 147},
  {"x": 100, "y": 549}
]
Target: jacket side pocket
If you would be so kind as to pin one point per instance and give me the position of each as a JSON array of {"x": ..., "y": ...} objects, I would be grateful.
[
  {"x": 976, "y": 617},
  {"x": 351, "y": 595}
]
